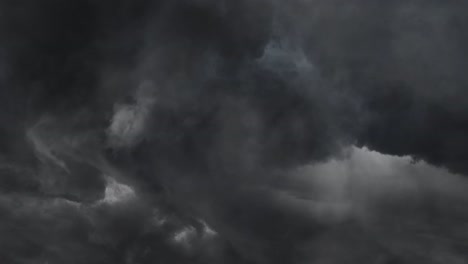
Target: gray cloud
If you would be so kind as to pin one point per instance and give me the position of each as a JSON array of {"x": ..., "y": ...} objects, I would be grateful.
[{"x": 200, "y": 131}]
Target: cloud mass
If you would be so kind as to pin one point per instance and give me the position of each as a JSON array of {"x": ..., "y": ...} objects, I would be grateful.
[{"x": 243, "y": 132}]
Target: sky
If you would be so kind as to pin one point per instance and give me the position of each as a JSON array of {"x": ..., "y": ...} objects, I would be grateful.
[{"x": 233, "y": 132}]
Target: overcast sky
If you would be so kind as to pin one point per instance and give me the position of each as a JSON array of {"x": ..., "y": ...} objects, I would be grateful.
[{"x": 237, "y": 132}]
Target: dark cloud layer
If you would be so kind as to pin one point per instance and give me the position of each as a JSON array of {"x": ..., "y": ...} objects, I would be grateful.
[{"x": 202, "y": 131}]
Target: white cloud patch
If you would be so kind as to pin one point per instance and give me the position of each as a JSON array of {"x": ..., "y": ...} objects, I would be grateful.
[
  {"x": 382, "y": 208},
  {"x": 364, "y": 179},
  {"x": 129, "y": 121},
  {"x": 185, "y": 235},
  {"x": 207, "y": 230},
  {"x": 116, "y": 192}
]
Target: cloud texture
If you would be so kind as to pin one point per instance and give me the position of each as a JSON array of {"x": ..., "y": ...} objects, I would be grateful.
[{"x": 261, "y": 131}]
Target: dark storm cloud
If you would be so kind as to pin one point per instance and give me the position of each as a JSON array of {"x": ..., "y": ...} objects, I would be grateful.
[
  {"x": 118, "y": 229},
  {"x": 406, "y": 61},
  {"x": 172, "y": 131}
]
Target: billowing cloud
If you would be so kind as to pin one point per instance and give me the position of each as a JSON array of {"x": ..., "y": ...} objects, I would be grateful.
[{"x": 202, "y": 131}]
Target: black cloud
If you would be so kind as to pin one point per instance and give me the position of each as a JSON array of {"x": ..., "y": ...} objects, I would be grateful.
[{"x": 171, "y": 131}]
